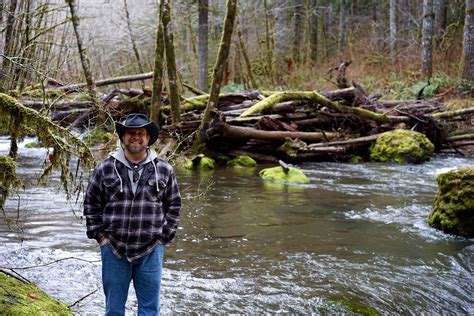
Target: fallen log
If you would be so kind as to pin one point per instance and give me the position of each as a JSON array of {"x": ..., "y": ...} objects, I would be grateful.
[
  {"x": 451, "y": 114},
  {"x": 67, "y": 117},
  {"x": 228, "y": 131},
  {"x": 254, "y": 155},
  {"x": 350, "y": 142},
  {"x": 63, "y": 105},
  {"x": 320, "y": 99},
  {"x": 460, "y": 137},
  {"x": 324, "y": 150},
  {"x": 105, "y": 82}
]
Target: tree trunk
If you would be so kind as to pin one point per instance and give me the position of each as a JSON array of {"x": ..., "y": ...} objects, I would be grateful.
[
  {"x": 441, "y": 9},
  {"x": 297, "y": 32},
  {"x": 203, "y": 44},
  {"x": 218, "y": 71},
  {"x": 248, "y": 64},
  {"x": 281, "y": 41},
  {"x": 427, "y": 39},
  {"x": 393, "y": 29},
  {"x": 1, "y": 11},
  {"x": 5, "y": 85},
  {"x": 468, "y": 43},
  {"x": 331, "y": 38},
  {"x": 281, "y": 44},
  {"x": 171, "y": 63},
  {"x": 157, "y": 84},
  {"x": 341, "y": 42},
  {"x": 85, "y": 63},
  {"x": 313, "y": 42},
  {"x": 132, "y": 38},
  {"x": 268, "y": 43}
]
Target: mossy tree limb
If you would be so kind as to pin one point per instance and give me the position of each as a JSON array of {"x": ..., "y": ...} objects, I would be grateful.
[
  {"x": 322, "y": 100},
  {"x": 28, "y": 121}
]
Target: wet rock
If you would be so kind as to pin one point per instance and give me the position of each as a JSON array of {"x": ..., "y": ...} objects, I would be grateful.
[
  {"x": 453, "y": 209},
  {"x": 199, "y": 162},
  {"x": 242, "y": 162},
  {"x": 401, "y": 146},
  {"x": 279, "y": 174}
]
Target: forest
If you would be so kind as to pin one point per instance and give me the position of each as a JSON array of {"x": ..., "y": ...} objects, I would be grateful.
[{"x": 293, "y": 80}]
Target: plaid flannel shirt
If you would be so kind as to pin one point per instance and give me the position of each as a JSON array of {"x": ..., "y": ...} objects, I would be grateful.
[{"x": 132, "y": 223}]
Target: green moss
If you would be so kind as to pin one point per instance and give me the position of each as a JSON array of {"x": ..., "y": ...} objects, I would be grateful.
[
  {"x": 98, "y": 135},
  {"x": 32, "y": 145},
  {"x": 203, "y": 163},
  {"x": 18, "y": 298},
  {"x": 83, "y": 97},
  {"x": 401, "y": 146},
  {"x": 20, "y": 121},
  {"x": 279, "y": 174},
  {"x": 356, "y": 159},
  {"x": 8, "y": 178},
  {"x": 242, "y": 162},
  {"x": 453, "y": 208}
]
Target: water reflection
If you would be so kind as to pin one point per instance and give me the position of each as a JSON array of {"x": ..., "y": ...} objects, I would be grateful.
[{"x": 249, "y": 246}]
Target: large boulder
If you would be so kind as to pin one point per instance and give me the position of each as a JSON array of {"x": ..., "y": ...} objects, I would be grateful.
[
  {"x": 242, "y": 162},
  {"x": 453, "y": 209},
  {"x": 279, "y": 174},
  {"x": 401, "y": 146}
]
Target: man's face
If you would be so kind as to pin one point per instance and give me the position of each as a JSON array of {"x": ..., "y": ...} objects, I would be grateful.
[{"x": 136, "y": 140}]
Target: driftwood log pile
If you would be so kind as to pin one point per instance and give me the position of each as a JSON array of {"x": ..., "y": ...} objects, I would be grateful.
[
  {"x": 290, "y": 125},
  {"x": 331, "y": 125}
]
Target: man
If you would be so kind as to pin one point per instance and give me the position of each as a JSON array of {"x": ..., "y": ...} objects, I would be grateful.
[{"x": 132, "y": 207}]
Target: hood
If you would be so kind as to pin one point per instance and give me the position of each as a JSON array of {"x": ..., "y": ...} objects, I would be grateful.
[{"x": 120, "y": 156}]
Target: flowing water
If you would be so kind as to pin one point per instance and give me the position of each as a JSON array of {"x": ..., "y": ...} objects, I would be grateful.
[{"x": 355, "y": 233}]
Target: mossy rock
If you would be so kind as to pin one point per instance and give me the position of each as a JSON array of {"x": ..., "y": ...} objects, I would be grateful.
[
  {"x": 356, "y": 159},
  {"x": 401, "y": 146},
  {"x": 453, "y": 208},
  {"x": 203, "y": 163},
  {"x": 33, "y": 145},
  {"x": 19, "y": 298},
  {"x": 278, "y": 174},
  {"x": 242, "y": 162}
]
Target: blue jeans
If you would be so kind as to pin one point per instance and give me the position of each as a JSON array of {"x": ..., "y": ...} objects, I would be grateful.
[{"x": 146, "y": 276}]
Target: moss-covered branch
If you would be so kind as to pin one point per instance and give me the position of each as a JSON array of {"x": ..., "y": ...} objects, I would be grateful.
[
  {"x": 28, "y": 121},
  {"x": 322, "y": 100}
]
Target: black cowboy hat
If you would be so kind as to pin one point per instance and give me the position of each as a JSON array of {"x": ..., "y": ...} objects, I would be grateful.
[{"x": 138, "y": 120}]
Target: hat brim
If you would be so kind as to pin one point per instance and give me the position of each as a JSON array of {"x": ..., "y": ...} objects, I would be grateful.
[{"x": 151, "y": 128}]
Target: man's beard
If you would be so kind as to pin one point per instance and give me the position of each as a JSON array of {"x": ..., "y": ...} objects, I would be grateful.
[{"x": 135, "y": 148}]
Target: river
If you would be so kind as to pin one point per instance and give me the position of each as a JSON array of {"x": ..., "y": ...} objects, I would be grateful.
[{"x": 356, "y": 232}]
